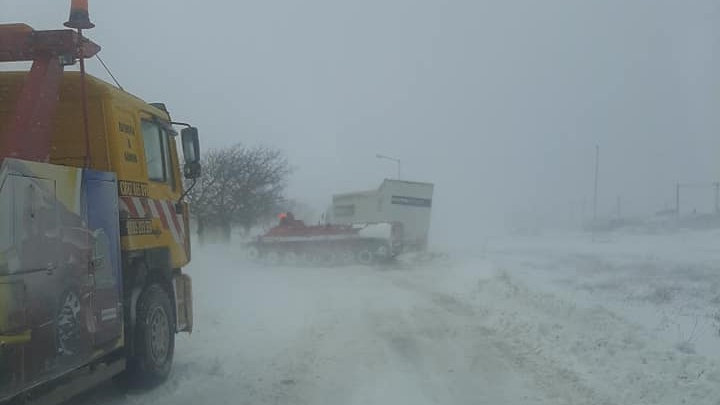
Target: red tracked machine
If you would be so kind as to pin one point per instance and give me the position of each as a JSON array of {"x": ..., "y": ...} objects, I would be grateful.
[{"x": 294, "y": 242}]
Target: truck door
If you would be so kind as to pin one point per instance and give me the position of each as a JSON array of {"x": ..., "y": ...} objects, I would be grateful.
[{"x": 103, "y": 224}]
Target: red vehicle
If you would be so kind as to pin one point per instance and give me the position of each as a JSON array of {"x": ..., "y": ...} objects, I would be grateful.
[{"x": 293, "y": 242}]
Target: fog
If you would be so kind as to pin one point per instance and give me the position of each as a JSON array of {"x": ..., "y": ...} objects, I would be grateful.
[{"x": 500, "y": 104}]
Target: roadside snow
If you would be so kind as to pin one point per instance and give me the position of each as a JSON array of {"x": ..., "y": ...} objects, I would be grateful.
[
  {"x": 669, "y": 284},
  {"x": 553, "y": 320}
]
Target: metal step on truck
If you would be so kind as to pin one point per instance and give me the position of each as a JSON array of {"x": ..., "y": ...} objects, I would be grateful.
[{"x": 93, "y": 223}]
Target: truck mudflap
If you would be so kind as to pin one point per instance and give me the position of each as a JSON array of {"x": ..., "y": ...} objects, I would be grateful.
[{"x": 182, "y": 284}]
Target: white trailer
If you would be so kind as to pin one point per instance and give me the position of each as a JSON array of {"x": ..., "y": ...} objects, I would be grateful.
[{"x": 406, "y": 202}]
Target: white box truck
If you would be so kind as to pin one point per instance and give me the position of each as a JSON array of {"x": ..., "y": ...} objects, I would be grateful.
[{"x": 405, "y": 202}]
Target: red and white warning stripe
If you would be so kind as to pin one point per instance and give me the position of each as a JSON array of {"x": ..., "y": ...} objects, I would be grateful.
[{"x": 164, "y": 210}]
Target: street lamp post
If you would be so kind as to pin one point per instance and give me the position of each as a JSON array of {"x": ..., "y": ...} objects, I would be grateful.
[
  {"x": 399, "y": 164},
  {"x": 597, "y": 170}
]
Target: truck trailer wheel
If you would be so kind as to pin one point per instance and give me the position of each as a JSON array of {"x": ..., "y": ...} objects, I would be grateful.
[
  {"x": 154, "y": 337},
  {"x": 365, "y": 256}
]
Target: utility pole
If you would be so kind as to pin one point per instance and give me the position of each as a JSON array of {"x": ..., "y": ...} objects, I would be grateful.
[
  {"x": 597, "y": 170},
  {"x": 677, "y": 199}
]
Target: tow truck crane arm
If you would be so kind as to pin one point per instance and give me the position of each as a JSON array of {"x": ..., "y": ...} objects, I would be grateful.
[{"x": 28, "y": 134}]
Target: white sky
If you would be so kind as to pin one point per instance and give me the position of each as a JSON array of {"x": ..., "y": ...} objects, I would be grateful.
[{"x": 500, "y": 103}]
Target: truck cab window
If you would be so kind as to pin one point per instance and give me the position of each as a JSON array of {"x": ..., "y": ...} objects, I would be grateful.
[{"x": 156, "y": 151}]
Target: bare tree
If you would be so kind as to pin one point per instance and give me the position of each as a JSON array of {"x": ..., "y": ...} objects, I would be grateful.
[{"x": 240, "y": 186}]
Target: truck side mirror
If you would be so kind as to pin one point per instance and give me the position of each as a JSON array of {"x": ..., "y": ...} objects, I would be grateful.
[
  {"x": 192, "y": 170},
  {"x": 191, "y": 151}
]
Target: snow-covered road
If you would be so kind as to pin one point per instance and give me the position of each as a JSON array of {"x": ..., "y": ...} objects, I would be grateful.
[{"x": 531, "y": 321}]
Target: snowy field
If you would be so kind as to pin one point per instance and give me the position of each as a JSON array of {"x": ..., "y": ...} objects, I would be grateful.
[{"x": 552, "y": 319}]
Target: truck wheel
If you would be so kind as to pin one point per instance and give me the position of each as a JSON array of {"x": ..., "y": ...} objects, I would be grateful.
[
  {"x": 365, "y": 256},
  {"x": 154, "y": 337}
]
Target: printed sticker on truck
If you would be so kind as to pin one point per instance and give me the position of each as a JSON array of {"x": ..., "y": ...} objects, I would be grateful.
[
  {"x": 133, "y": 227},
  {"x": 132, "y": 189}
]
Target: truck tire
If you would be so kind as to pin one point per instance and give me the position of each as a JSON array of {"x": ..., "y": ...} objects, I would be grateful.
[
  {"x": 365, "y": 256},
  {"x": 154, "y": 337}
]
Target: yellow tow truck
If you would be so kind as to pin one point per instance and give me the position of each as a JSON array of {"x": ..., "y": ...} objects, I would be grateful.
[{"x": 93, "y": 222}]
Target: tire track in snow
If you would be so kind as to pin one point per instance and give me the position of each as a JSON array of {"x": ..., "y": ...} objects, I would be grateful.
[{"x": 559, "y": 385}]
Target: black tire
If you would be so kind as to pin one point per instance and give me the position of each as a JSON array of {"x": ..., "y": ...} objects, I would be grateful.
[
  {"x": 365, "y": 256},
  {"x": 154, "y": 338}
]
